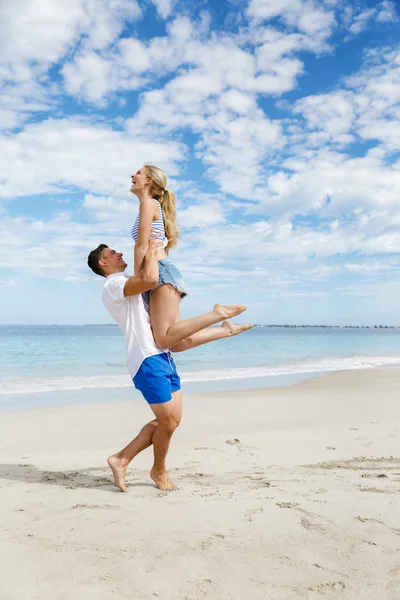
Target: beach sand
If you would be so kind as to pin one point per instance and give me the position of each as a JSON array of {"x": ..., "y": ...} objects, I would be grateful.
[{"x": 285, "y": 493}]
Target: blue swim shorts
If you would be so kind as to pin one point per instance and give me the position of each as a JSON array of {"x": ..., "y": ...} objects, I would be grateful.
[{"x": 157, "y": 378}]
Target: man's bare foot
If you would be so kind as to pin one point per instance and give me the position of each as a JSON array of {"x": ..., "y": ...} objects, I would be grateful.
[
  {"x": 227, "y": 312},
  {"x": 118, "y": 470},
  {"x": 235, "y": 329},
  {"x": 162, "y": 480}
]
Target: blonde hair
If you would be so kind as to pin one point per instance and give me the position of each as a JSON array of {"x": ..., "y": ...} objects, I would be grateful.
[{"x": 166, "y": 198}]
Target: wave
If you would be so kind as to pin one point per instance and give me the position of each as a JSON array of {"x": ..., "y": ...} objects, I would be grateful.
[{"x": 32, "y": 385}]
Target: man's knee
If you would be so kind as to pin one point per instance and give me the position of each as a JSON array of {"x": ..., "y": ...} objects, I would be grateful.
[{"x": 169, "y": 424}]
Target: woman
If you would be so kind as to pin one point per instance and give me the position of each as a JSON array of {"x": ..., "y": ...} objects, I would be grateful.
[{"x": 157, "y": 212}]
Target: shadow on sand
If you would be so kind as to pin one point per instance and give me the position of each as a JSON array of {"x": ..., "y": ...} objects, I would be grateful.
[{"x": 93, "y": 478}]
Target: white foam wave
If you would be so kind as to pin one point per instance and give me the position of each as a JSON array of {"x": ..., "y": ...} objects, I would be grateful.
[{"x": 30, "y": 385}]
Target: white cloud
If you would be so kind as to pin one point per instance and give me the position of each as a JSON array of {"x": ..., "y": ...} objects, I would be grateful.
[
  {"x": 306, "y": 15},
  {"x": 361, "y": 20},
  {"x": 129, "y": 64},
  {"x": 239, "y": 102},
  {"x": 356, "y": 20},
  {"x": 110, "y": 210},
  {"x": 62, "y": 154},
  {"x": 217, "y": 59},
  {"x": 367, "y": 107},
  {"x": 235, "y": 148},
  {"x": 36, "y": 35},
  {"x": 332, "y": 184},
  {"x": 38, "y": 30},
  {"x": 164, "y": 7},
  {"x": 387, "y": 12},
  {"x": 20, "y": 100},
  {"x": 134, "y": 55},
  {"x": 206, "y": 214},
  {"x": 297, "y": 199},
  {"x": 371, "y": 268},
  {"x": 89, "y": 76},
  {"x": 42, "y": 32}
]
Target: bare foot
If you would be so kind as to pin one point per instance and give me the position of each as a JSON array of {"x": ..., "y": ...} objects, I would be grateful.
[
  {"x": 118, "y": 471},
  {"x": 235, "y": 329},
  {"x": 227, "y": 312},
  {"x": 162, "y": 480}
]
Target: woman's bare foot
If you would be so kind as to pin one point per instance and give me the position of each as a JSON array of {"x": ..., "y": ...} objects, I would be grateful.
[
  {"x": 235, "y": 329},
  {"x": 227, "y": 312},
  {"x": 118, "y": 470},
  {"x": 162, "y": 480}
]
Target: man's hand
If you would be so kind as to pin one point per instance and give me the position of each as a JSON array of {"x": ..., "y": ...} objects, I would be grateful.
[
  {"x": 154, "y": 243},
  {"x": 147, "y": 278}
]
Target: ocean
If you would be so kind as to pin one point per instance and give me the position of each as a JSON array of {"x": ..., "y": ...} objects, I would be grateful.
[{"x": 52, "y": 365}]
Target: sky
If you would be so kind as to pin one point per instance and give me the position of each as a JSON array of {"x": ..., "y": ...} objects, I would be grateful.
[{"x": 277, "y": 123}]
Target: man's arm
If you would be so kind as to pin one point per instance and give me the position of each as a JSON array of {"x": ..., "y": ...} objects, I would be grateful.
[
  {"x": 147, "y": 278},
  {"x": 146, "y": 215}
]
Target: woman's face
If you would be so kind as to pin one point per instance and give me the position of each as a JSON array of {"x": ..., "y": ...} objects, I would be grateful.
[{"x": 140, "y": 181}]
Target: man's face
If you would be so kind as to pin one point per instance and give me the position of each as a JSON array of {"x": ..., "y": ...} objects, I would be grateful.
[{"x": 112, "y": 261}]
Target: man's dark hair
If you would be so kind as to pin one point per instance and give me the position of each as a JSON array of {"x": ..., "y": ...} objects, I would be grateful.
[{"x": 93, "y": 260}]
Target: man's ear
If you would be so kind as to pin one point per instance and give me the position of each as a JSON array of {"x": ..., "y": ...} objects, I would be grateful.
[{"x": 102, "y": 263}]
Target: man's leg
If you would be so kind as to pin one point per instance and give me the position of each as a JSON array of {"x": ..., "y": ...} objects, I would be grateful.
[
  {"x": 119, "y": 462},
  {"x": 210, "y": 334},
  {"x": 168, "y": 416}
]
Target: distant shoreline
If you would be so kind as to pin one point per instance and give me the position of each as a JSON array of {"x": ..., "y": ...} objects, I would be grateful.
[{"x": 256, "y": 325}]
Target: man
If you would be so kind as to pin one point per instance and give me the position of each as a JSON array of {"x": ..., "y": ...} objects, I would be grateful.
[{"x": 152, "y": 369}]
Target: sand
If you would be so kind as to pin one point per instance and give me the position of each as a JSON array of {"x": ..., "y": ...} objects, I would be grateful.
[{"x": 285, "y": 493}]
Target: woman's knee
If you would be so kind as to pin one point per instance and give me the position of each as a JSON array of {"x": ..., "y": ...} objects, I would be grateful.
[{"x": 186, "y": 344}]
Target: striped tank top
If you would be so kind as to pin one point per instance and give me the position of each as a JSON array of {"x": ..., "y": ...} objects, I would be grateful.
[{"x": 157, "y": 226}]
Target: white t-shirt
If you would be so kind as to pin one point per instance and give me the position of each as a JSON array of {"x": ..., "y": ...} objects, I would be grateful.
[{"x": 131, "y": 316}]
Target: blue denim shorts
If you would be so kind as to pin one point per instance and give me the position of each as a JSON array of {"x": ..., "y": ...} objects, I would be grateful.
[
  {"x": 168, "y": 273},
  {"x": 157, "y": 378}
]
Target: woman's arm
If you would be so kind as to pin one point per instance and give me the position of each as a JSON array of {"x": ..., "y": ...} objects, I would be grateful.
[{"x": 146, "y": 216}]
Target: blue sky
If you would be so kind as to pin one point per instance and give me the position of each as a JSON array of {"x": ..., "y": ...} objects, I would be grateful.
[{"x": 278, "y": 124}]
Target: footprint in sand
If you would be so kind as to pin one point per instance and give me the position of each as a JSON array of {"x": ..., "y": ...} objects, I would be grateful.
[
  {"x": 375, "y": 490},
  {"x": 250, "y": 514},
  {"x": 360, "y": 463},
  {"x": 204, "y": 586},
  {"x": 393, "y": 584},
  {"x": 372, "y": 520},
  {"x": 93, "y": 506},
  {"x": 258, "y": 482},
  {"x": 310, "y": 526},
  {"x": 329, "y": 588}
]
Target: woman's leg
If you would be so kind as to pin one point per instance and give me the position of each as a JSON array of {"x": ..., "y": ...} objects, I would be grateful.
[
  {"x": 210, "y": 334},
  {"x": 164, "y": 312}
]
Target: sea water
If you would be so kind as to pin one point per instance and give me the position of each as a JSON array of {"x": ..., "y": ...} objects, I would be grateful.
[{"x": 48, "y": 365}]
